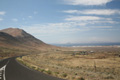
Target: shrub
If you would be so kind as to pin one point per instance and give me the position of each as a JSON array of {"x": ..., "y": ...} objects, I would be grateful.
[
  {"x": 48, "y": 72},
  {"x": 75, "y": 73},
  {"x": 38, "y": 69},
  {"x": 33, "y": 67},
  {"x": 64, "y": 75},
  {"x": 56, "y": 72},
  {"x": 81, "y": 78},
  {"x": 109, "y": 77},
  {"x": 42, "y": 70}
]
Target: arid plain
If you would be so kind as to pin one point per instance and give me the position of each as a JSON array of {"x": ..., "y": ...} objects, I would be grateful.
[{"x": 78, "y": 63}]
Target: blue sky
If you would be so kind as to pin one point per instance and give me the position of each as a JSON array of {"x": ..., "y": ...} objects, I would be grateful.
[{"x": 64, "y": 21}]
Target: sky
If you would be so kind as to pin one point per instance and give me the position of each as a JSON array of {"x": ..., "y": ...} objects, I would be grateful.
[{"x": 64, "y": 21}]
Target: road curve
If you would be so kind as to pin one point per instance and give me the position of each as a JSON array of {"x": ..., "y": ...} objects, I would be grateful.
[{"x": 16, "y": 71}]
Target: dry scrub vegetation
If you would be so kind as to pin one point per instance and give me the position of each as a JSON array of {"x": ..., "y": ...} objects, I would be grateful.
[
  {"x": 83, "y": 63},
  {"x": 11, "y": 52}
]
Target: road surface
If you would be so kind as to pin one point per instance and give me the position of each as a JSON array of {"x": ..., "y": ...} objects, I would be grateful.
[{"x": 10, "y": 69}]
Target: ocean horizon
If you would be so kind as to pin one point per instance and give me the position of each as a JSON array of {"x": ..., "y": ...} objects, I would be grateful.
[{"x": 86, "y": 44}]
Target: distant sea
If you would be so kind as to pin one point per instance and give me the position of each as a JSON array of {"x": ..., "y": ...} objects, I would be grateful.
[{"x": 87, "y": 44}]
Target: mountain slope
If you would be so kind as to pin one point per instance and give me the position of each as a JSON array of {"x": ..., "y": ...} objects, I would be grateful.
[
  {"x": 23, "y": 37},
  {"x": 8, "y": 39},
  {"x": 20, "y": 38}
]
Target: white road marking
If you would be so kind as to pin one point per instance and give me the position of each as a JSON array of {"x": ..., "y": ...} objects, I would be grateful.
[
  {"x": 0, "y": 74},
  {"x": 2, "y": 71}
]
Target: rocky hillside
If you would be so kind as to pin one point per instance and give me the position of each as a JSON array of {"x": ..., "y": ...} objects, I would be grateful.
[
  {"x": 18, "y": 37},
  {"x": 7, "y": 39},
  {"x": 22, "y": 36}
]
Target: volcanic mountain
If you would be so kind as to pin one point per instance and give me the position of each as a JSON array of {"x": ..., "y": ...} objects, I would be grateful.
[
  {"x": 18, "y": 37},
  {"x": 7, "y": 39}
]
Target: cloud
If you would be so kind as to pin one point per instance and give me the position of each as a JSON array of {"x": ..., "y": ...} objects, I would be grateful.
[
  {"x": 85, "y": 18},
  {"x": 23, "y": 18},
  {"x": 102, "y": 27},
  {"x": 87, "y": 2},
  {"x": 63, "y": 30},
  {"x": 30, "y": 17},
  {"x": 2, "y": 12},
  {"x": 35, "y": 12},
  {"x": 103, "y": 21},
  {"x": 54, "y": 28},
  {"x": 1, "y": 19},
  {"x": 60, "y": 28},
  {"x": 95, "y": 11},
  {"x": 96, "y": 39},
  {"x": 15, "y": 20},
  {"x": 72, "y": 11},
  {"x": 87, "y": 39}
]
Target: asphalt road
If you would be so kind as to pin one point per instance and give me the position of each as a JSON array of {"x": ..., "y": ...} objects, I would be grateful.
[{"x": 17, "y": 71}]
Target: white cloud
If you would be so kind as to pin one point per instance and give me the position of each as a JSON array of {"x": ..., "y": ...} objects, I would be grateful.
[
  {"x": 95, "y": 11},
  {"x": 85, "y": 18},
  {"x": 103, "y": 21},
  {"x": 30, "y": 17},
  {"x": 1, "y": 19},
  {"x": 97, "y": 39},
  {"x": 102, "y": 27},
  {"x": 35, "y": 12},
  {"x": 60, "y": 28},
  {"x": 55, "y": 28},
  {"x": 86, "y": 39},
  {"x": 2, "y": 12},
  {"x": 23, "y": 18},
  {"x": 72, "y": 11},
  {"x": 15, "y": 20},
  {"x": 87, "y": 2}
]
